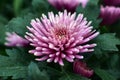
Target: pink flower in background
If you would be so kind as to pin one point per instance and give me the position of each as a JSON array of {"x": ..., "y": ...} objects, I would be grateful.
[
  {"x": 109, "y": 15},
  {"x": 60, "y": 36},
  {"x": 69, "y": 5},
  {"x": 112, "y": 2},
  {"x": 15, "y": 40},
  {"x": 81, "y": 68}
]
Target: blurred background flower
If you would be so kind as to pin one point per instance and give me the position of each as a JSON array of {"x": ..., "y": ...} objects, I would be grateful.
[
  {"x": 112, "y": 2},
  {"x": 69, "y": 5},
  {"x": 109, "y": 14},
  {"x": 15, "y": 40}
]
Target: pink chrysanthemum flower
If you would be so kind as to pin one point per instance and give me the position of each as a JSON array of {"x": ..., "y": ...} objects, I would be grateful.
[
  {"x": 109, "y": 15},
  {"x": 15, "y": 40},
  {"x": 112, "y": 2},
  {"x": 70, "y": 5},
  {"x": 62, "y": 36},
  {"x": 81, "y": 68}
]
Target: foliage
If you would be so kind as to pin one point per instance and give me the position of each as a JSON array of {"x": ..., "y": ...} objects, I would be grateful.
[{"x": 18, "y": 64}]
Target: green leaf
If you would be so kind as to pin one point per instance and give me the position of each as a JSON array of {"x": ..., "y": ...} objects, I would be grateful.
[
  {"x": 2, "y": 31},
  {"x": 3, "y": 21},
  {"x": 73, "y": 77},
  {"x": 15, "y": 64},
  {"x": 94, "y": 2},
  {"x": 104, "y": 75},
  {"x": 115, "y": 73},
  {"x": 15, "y": 71},
  {"x": 91, "y": 11},
  {"x": 107, "y": 42},
  {"x": 19, "y": 24},
  {"x": 19, "y": 56},
  {"x": 114, "y": 64},
  {"x": 9, "y": 68},
  {"x": 36, "y": 74},
  {"x": 114, "y": 61}
]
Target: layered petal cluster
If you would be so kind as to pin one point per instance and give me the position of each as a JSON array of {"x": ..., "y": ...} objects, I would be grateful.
[
  {"x": 81, "y": 68},
  {"x": 60, "y": 36},
  {"x": 15, "y": 40},
  {"x": 70, "y": 5},
  {"x": 109, "y": 15},
  {"x": 112, "y": 2}
]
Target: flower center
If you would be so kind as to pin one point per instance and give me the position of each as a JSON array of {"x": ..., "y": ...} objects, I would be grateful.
[{"x": 61, "y": 33}]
